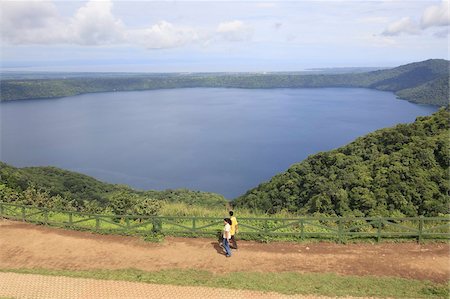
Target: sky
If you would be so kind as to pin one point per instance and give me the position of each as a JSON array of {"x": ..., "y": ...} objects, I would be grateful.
[{"x": 219, "y": 36}]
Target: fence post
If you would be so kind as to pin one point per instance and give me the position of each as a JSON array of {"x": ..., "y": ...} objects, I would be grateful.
[
  {"x": 156, "y": 225},
  {"x": 379, "y": 230},
  {"x": 1, "y": 209},
  {"x": 23, "y": 213},
  {"x": 127, "y": 221},
  {"x": 46, "y": 216},
  {"x": 97, "y": 222},
  {"x": 419, "y": 239},
  {"x": 340, "y": 230},
  {"x": 302, "y": 229},
  {"x": 265, "y": 226},
  {"x": 193, "y": 224},
  {"x": 70, "y": 219}
]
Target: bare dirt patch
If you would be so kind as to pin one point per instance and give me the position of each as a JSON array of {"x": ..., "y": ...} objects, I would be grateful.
[{"x": 25, "y": 245}]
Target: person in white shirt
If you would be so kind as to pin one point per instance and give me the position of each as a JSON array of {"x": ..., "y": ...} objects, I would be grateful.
[{"x": 227, "y": 236}]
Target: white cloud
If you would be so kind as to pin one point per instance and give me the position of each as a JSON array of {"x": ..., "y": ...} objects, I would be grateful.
[
  {"x": 94, "y": 24},
  {"x": 235, "y": 31},
  {"x": 30, "y": 22},
  {"x": 433, "y": 16},
  {"x": 38, "y": 22},
  {"x": 164, "y": 35},
  {"x": 436, "y": 15},
  {"x": 404, "y": 25}
]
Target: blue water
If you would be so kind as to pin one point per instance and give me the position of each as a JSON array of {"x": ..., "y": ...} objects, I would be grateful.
[{"x": 219, "y": 140}]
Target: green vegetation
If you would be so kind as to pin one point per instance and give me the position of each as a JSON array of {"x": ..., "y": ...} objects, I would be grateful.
[
  {"x": 57, "y": 181},
  {"x": 58, "y": 189},
  {"x": 412, "y": 82},
  {"x": 429, "y": 92},
  {"x": 285, "y": 282},
  {"x": 392, "y": 172},
  {"x": 263, "y": 229}
]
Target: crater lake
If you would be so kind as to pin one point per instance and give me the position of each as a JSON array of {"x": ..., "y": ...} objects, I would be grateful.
[{"x": 210, "y": 139}]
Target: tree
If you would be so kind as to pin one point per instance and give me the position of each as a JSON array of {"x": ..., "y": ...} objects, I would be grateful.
[
  {"x": 121, "y": 202},
  {"x": 145, "y": 206}
]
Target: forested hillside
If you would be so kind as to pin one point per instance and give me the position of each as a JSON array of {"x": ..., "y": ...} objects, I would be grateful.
[
  {"x": 396, "y": 171},
  {"x": 421, "y": 82},
  {"x": 56, "y": 188},
  {"x": 429, "y": 92}
]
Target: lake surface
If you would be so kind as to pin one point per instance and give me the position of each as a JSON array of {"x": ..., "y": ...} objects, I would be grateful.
[{"x": 219, "y": 140}]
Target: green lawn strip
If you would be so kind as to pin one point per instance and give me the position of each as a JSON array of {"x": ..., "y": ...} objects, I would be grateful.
[{"x": 285, "y": 282}]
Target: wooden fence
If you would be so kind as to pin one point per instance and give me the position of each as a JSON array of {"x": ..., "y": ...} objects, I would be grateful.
[{"x": 333, "y": 228}]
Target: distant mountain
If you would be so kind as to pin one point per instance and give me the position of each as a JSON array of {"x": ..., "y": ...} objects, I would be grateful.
[
  {"x": 343, "y": 70},
  {"x": 409, "y": 75},
  {"x": 422, "y": 82},
  {"x": 396, "y": 171}
]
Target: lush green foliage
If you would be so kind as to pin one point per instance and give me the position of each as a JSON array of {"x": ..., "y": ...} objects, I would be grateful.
[
  {"x": 409, "y": 75},
  {"x": 403, "y": 80},
  {"x": 57, "y": 181},
  {"x": 59, "y": 189},
  {"x": 190, "y": 198},
  {"x": 286, "y": 283},
  {"x": 430, "y": 92},
  {"x": 396, "y": 171}
]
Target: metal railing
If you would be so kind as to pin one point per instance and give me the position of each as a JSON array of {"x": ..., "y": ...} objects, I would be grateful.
[{"x": 334, "y": 228}]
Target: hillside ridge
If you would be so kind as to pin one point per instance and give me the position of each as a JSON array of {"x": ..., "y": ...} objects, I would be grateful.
[
  {"x": 408, "y": 82},
  {"x": 401, "y": 171}
]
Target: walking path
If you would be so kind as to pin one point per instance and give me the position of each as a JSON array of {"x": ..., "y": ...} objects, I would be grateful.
[
  {"x": 13, "y": 285},
  {"x": 27, "y": 246}
]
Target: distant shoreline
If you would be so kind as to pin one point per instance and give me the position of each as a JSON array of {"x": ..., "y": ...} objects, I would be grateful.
[{"x": 424, "y": 82}]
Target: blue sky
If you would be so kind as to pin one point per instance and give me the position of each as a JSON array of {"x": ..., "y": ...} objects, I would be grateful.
[{"x": 190, "y": 36}]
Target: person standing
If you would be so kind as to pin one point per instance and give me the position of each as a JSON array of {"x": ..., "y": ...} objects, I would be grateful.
[
  {"x": 227, "y": 236},
  {"x": 234, "y": 229}
]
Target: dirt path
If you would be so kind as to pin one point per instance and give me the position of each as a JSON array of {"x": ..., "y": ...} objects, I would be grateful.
[{"x": 29, "y": 246}]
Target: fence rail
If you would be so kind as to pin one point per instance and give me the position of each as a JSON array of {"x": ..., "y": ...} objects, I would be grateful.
[{"x": 335, "y": 228}]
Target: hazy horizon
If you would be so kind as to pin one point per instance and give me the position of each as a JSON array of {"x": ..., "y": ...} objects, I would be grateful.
[
  {"x": 119, "y": 71},
  {"x": 212, "y": 36}
]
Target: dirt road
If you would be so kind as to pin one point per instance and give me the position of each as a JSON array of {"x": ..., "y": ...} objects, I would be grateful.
[{"x": 29, "y": 246}]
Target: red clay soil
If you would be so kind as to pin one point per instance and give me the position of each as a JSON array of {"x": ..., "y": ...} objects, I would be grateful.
[{"x": 29, "y": 246}]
